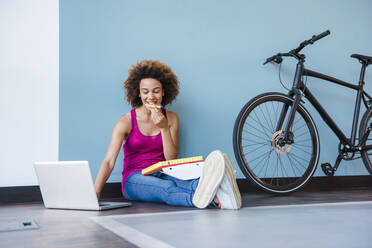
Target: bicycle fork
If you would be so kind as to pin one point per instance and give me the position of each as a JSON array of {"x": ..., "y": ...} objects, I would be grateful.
[{"x": 288, "y": 138}]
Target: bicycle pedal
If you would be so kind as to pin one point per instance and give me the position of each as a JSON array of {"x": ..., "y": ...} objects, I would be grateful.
[{"x": 327, "y": 169}]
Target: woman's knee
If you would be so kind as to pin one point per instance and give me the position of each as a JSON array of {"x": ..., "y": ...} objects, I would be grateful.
[{"x": 148, "y": 188}]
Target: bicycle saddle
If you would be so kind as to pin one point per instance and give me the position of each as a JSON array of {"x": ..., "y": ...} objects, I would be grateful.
[{"x": 362, "y": 58}]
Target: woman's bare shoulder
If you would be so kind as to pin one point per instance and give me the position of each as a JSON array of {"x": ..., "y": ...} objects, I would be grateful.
[
  {"x": 172, "y": 116},
  {"x": 124, "y": 123}
]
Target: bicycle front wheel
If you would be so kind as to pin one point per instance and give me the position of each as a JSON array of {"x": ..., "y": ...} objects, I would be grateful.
[
  {"x": 268, "y": 165},
  {"x": 366, "y": 154}
]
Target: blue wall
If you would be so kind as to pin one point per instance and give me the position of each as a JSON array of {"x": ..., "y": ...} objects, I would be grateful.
[{"x": 217, "y": 49}]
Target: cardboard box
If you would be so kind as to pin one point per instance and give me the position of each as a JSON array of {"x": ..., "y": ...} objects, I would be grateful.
[{"x": 183, "y": 168}]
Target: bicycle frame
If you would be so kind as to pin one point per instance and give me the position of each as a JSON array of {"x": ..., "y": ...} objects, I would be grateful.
[{"x": 299, "y": 86}]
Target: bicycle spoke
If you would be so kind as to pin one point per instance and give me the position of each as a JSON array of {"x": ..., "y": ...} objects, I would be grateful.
[
  {"x": 259, "y": 123},
  {"x": 248, "y": 143},
  {"x": 295, "y": 167},
  {"x": 295, "y": 144},
  {"x": 262, "y": 126},
  {"x": 299, "y": 135},
  {"x": 258, "y": 130},
  {"x": 254, "y": 141},
  {"x": 299, "y": 127},
  {"x": 271, "y": 181},
  {"x": 295, "y": 158},
  {"x": 297, "y": 147},
  {"x": 267, "y": 164},
  {"x": 282, "y": 166},
  {"x": 256, "y": 144},
  {"x": 295, "y": 121},
  {"x": 302, "y": 141},
  {"x": 252, "y": 134},
  {"x": 272, "y": 126},
  {"x": 250, "y": 161},
  {"x": 276, "y": 113},
  {"x": 263, "y": 158},
  {"x": 264, "y": 116},
  {"x": 292, "y": 165},
  {"x": 257, "y": 148}
]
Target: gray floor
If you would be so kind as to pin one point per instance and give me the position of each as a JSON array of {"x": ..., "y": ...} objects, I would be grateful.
[
  {"x": 70, "y": 228},
  {"x": 22, "y": 224},
  {"x": 312, "y": 225}
]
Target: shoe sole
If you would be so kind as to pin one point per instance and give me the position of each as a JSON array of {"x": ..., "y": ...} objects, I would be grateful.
[
  {"x": 212, "y": 175},
  {"x": 232, "y": 179}
]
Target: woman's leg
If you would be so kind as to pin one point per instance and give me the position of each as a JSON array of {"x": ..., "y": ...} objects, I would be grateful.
[
  {"x": 189, "y": 185},
  {"x": 156, "y": 189}
]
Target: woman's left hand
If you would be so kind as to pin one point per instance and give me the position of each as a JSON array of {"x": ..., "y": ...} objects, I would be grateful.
[{"x": 158, "y": 118}]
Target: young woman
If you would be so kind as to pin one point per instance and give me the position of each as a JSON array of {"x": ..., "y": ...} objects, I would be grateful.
[{"x": 149, "y": 134}]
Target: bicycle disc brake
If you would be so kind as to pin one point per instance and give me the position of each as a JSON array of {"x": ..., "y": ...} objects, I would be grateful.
[{"x": 275, "y": 142}]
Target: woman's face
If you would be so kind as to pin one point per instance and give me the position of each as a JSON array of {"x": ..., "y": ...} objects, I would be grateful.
[{"x": 151, "y": 91}]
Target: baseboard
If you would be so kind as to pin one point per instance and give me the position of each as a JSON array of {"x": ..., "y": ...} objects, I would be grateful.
[
  {"x": 22, "y": 194},
  {"x": 320, "y": 183}
]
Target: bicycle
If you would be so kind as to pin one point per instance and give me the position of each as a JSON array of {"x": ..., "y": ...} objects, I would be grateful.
[{"x": 275, "y": 139}]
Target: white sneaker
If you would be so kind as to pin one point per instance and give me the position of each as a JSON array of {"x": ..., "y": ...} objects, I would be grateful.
[
  {"x": 211, "y": 178},
  {"x": 228, "y": 193}
]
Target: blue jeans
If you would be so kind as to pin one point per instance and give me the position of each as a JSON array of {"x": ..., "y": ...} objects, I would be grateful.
[{"x": 160, "y": 187}]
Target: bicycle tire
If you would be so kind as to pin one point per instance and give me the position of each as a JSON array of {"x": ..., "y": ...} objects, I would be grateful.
[
  {"x": 285, "y": 183},
  {"x": 366, "y": 157}
]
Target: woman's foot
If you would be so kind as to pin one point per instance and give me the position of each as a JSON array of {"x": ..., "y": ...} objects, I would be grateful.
[
  {"x": 211, "y": 178},
  {"x": 228, "y": 193}
]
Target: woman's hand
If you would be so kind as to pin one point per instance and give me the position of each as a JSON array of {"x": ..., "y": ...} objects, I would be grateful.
[{"x": 158, "y": 118}]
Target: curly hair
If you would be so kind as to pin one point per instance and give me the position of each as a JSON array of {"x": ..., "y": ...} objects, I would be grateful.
[{"x": 150, "y": 69}]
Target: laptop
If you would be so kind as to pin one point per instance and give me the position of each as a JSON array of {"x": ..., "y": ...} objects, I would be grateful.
[{"x": 69, "y": 185}]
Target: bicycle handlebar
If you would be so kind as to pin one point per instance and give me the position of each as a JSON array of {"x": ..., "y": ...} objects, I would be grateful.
[
  {"x": 294, "y": 53},
  {"x": 322, "y": 35}
]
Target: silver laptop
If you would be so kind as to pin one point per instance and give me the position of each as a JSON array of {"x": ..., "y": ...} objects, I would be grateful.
[{"x": 69, "y": 185}]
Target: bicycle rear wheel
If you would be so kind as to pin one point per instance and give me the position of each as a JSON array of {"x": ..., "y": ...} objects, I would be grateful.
[
  {"x": 366, "y": 154},
  {"x": 269, "y": 166}
]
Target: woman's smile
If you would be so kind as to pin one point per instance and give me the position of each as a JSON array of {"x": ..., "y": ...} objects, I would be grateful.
[{"x": 151, "y": 91}]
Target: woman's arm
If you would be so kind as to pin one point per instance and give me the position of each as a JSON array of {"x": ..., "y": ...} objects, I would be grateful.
[
  {"x": 169, "y": 135},
  {"x": 169, "y": 131},
  {"x": 121, "y": 130}
]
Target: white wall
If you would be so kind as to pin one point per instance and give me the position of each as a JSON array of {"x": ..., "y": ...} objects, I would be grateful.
[{"x": 29, "y": 72}]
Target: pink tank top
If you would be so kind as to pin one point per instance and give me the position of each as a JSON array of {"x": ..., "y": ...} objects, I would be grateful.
[{"x": 140, "y": 151}]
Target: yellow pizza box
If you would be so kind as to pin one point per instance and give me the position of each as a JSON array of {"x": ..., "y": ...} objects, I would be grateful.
[{"x": 171, "y": 163}]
